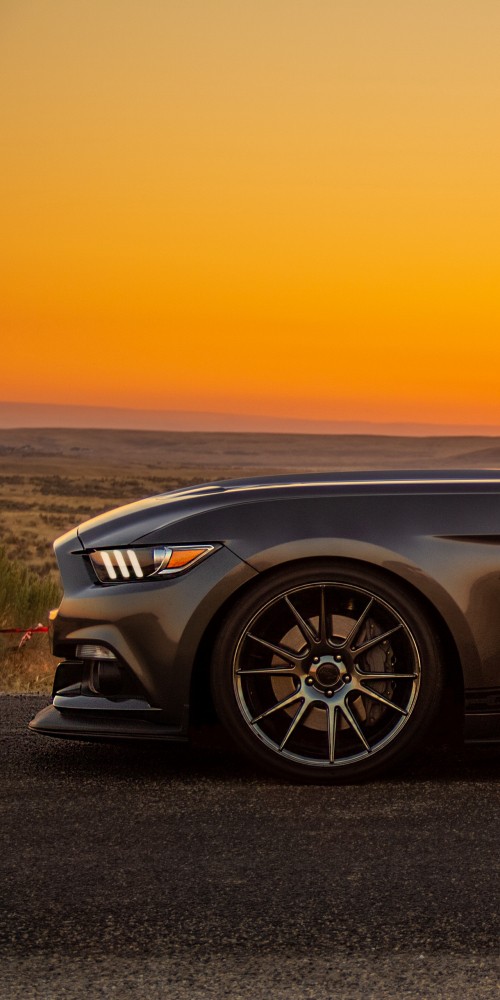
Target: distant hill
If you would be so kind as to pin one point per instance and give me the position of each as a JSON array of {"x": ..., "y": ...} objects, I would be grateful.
[
  {"x": 223, "y": 454},
  {"x": 19, "y": 414}
]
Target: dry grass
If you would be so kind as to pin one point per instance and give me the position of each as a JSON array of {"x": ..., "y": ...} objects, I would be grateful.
[
  {"x": 29, "y": 669},
  {"x": 25, "y": 599}
]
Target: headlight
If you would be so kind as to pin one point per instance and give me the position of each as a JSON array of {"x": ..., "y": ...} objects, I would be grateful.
[{"x": 117, "y": 565}]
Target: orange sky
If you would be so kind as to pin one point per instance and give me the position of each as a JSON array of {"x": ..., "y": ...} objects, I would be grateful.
[{"x": 261, "y": 206}]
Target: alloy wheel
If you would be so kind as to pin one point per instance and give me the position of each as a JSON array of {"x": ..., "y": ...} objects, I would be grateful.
[{"x": 326, "y": 674}]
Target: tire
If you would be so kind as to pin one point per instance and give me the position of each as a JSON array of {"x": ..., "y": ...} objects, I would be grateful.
[{"x": 327, "y": 673}]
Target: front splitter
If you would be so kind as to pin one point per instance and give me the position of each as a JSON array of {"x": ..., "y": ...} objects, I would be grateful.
[{"x": 77, "y": 725}]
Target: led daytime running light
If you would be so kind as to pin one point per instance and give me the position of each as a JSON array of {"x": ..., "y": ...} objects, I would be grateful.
[{"x": 120, "y": 565}]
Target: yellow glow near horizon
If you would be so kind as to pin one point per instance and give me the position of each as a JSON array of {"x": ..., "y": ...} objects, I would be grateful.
[{"x": 275, "y": 206}]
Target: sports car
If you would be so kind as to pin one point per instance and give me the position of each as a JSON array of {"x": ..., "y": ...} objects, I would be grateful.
[{"x": 329, "y": 622}]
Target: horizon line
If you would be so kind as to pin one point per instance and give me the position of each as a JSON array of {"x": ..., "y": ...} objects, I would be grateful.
[{"x": 17, "y": 414}]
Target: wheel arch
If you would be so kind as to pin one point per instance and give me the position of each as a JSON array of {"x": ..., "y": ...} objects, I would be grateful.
[{"x": 201, "y": 707}]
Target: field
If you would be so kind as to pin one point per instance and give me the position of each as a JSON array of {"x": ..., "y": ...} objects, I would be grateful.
[{"x": 51, "y": 480}]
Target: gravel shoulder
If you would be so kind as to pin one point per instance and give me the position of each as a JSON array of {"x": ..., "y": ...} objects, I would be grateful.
[{"x": 178, "y": 871}]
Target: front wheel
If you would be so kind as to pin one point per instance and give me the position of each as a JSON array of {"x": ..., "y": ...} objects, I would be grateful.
[{"x": 327, "y": 673}]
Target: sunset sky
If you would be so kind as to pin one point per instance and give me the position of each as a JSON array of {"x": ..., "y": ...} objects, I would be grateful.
[{"x": 273, "y": 207}]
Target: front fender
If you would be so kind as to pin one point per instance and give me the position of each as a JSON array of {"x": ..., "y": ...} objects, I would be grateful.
[{"x": 400, "y": 566}]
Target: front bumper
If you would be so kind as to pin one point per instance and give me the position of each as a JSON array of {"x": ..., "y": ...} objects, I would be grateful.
[{"x": 156, "y": 630}]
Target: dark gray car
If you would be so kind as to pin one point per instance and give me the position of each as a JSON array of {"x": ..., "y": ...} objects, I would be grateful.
[{"x": 326, "y": 620}]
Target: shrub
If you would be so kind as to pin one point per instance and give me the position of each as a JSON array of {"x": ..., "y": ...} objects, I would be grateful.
[{"x": 25, "y": 597}]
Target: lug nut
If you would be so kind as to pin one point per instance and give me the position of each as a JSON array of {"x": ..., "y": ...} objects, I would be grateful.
[
  {"x": 337, "y": 659},
  {"x": 329, "y": 694},
  {"x": 309, "y": 680},
  {"x": 347, "y": 678},
  {"x": 315, "y": 659}
]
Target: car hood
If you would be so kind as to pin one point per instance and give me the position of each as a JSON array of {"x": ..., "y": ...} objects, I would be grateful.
[{"x": 135, "y": 521}]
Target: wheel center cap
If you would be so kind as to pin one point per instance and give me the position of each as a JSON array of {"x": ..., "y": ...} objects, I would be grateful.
[{"x": 327, "y": 674}]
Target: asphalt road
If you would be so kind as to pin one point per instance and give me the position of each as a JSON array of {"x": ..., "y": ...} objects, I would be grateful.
[{"x": 179, "y": 872}]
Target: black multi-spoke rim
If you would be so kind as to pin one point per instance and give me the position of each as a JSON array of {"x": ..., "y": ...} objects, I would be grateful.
[{"x": 326, "y": 674}]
